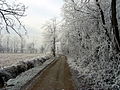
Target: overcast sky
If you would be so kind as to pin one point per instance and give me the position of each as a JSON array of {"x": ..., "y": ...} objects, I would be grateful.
[{"x": 38, "y": 12}]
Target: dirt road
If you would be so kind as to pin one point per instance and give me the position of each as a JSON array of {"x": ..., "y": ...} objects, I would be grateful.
[{"x": 56, "y": 77}]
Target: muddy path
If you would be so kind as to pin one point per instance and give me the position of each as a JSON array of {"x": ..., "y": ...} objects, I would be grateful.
[{"x": 56, "y": 77}]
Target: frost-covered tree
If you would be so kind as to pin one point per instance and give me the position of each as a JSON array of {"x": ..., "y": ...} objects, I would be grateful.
[
  {"x": 51, "y": 36},
  {"x": 89, "y": 37}
]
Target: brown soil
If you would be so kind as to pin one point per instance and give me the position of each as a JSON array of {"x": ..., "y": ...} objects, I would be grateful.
[{"x": 56, "y": 77}]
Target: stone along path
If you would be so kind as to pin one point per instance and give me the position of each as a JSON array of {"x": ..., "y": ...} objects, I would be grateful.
[{"x": 56, "y": 76}]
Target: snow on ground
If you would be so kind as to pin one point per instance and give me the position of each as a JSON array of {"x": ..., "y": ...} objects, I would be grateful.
[
  {"x": 74, "y": 70},
  {"x": 10, "y": 59},
  {"x": 22, "y": 79},
  {"x": 72, "y": 63}
]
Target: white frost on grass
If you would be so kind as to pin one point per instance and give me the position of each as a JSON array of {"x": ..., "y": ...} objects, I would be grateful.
[
  {"x": 72, "y": 63},
  {"x": 75, "y": 70},
  {"x": 12, "y": 59},
  {"x": 23, "y": 78}
]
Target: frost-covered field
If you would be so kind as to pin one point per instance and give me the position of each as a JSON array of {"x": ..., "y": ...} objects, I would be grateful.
[{"x": 10, "y": 59}]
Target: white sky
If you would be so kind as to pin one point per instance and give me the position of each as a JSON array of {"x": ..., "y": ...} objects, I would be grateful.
[{"x": 38, "y": 12}]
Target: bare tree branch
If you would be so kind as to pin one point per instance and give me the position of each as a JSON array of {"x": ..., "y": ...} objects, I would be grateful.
[{"x": 11, "y": 15}]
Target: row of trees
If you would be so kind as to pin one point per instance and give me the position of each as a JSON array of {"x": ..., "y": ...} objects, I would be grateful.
[
  {"x": 10, "y": 14},
  {"x": 15, "y": 44},
  {"x": 91, "y": 36},
  {"x": 97, "y": 14}
]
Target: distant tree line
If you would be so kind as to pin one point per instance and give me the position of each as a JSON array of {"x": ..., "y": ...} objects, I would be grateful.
[
  {"x": 10, "y": 14},
  {"x": 14, "y": 44}
]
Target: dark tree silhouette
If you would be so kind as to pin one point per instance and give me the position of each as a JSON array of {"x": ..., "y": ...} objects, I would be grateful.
[{"x": 115, "y": 25}]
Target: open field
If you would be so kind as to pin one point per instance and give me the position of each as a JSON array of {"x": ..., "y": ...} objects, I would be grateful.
[{"x": 10, "y": 59}]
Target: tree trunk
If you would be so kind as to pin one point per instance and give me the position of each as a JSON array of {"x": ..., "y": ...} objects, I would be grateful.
[
  {"x": 115, "y": 25},
  {"x": 22, "y": 46},
  {"x": 54, "y": 47},
  {"x": 103, "y": 19}
]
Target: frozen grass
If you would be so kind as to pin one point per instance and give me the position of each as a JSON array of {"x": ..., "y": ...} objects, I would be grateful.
[
  {"x": 10, "y": 59},
  {"x": 25, "y": 77}
]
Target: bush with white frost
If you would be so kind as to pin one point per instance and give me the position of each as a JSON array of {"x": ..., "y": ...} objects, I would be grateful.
[{"x": 13, "y": 71}]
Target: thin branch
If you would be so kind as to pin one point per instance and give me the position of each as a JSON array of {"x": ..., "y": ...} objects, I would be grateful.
[{"x": 5, "y": 21}]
